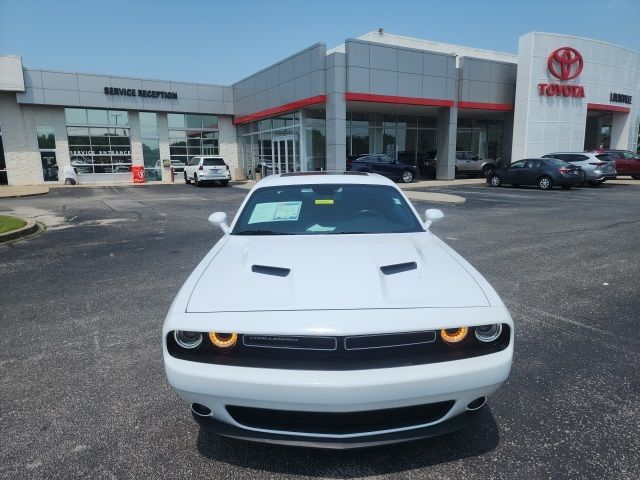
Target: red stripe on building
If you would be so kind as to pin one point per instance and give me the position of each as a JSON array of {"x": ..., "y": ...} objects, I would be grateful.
[
  {"x": 288, "y": 107},
  {"x": 504, "y": 107},
  {"x": 370, "y": 97},
  {"x": 607, "y": 108}
]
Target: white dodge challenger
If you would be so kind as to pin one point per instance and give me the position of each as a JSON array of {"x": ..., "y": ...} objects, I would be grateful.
[{"x": 328, "y": 315}]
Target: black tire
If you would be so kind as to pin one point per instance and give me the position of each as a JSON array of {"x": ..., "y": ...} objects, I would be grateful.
[
  {"x": 186, "y": 179},
  {"x": 545, "y": 183},
  {"x": 196, "y": 182},
  {"x": 495, "y": 180},
  {"x": 224, "y": 183},
  {"x": 407, "y": 176},
  {"x": 68, "y": 181},
  {"x": 593, "y": 183}
]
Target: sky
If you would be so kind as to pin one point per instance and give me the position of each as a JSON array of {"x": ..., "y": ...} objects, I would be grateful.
[{"x": 223, "y": 41}]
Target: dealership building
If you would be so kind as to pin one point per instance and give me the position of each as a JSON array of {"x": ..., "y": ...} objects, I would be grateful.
[{"x": 412, "y": 99}]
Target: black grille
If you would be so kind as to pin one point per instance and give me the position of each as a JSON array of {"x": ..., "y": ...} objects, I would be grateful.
[
  {"x": 332, "y": 423},
  {"x": 340, "y": 353}
]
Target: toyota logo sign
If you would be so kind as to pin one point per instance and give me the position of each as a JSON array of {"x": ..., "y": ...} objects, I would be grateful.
[{"x": 565, "y": 63}]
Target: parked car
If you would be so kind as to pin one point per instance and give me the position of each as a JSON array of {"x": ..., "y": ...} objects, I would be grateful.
[
  {"x": 543, "y": 172},
  {"x": 627, "y": 162},
  {"x": 328, "y": 315},
  {"x": 201, "y": 170},
  {"x": 597, "y": 167},
  {"x": 177, "y": 165},
  {"x": 385, "y": 166},
  {"x": 467, "y": 163}
]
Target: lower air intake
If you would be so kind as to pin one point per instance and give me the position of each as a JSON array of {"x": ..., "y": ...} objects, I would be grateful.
[{"x": 332, "y": 423}]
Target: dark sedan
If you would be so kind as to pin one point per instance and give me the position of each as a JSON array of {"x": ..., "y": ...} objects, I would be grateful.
[
  {"x": 543, "y": 172},
  {"x": 386, "y": 166}
]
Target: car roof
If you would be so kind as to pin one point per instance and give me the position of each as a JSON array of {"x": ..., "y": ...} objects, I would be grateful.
[
  {"x": 306, "y": 178},
  {"x": 573, "y": 153}
]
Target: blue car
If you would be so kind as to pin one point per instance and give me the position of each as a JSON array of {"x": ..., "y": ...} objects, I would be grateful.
[
  {"x": 545, "y": 173},
  {"x": 385, "y": 166}
]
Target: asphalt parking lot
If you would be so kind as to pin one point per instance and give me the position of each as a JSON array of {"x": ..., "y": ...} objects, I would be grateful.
[{"x": 82, "y": 386}]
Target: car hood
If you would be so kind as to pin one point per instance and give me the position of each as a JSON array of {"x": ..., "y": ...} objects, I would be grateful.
[{"x": 329, "y": 272}]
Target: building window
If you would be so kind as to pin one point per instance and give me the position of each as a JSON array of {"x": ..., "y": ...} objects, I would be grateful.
[
  {"x": 262, "y": 154},
  {"x": 3, "y": 165},
  {"x": 99, "y": 140},
  {"x": 407, "y": 138},
  {"x": 47, "y": 147},
  {"x": 480, "y": 136},
  {"x": 150, "y": 145},
  {"x": 315, "y": 144},
  {"x": 191, "y": 135}
]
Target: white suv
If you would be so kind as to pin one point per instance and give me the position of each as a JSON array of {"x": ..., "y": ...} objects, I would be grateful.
[
  {"x": 597, "y": 167},
  {"x": 207, "y": 169}
]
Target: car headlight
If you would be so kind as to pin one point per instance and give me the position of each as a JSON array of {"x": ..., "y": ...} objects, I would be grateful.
[
  {"x": 188, "y": 340},
  {"x": 488, "y": 333},
  {"x": 223, "y": 341},
  {"x": 454, "y": 335}
]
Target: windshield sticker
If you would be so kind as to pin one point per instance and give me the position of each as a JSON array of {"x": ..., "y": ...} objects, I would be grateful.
[
  {"x": 320, "y": 228},
  {"x": 327, "y": 201},
  {"x": 396, "y": 201},
  {"x": 275, "y": 212}
]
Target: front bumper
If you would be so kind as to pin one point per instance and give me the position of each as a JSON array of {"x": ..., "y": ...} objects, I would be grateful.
[
  {"x": 217, "y": 386},
  {"x": 442, "y": 428}
]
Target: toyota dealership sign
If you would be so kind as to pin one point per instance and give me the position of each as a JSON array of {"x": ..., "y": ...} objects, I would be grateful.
[{"x": 565, "y": 64}]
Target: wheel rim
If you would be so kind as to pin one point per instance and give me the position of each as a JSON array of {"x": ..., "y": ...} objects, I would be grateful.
[
  {"x": 495, "y": 181},
  {"x": 407, "y": 177},
  {"x": 544, "y": 183}
]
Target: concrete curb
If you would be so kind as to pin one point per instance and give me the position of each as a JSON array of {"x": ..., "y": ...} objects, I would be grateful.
[
  {"x": 30, "y": 228},
  {"x": 16, "y": 192}
]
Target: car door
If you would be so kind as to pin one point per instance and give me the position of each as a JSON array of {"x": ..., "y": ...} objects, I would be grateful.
[
  {"x": 461, "y": 162},
  {"x": 473, "y": 162},
  {"x": 514, "y": 173},
  {"x": 632, "y": 162},
  {"x": 387, "y": 166},
  {"x": 532, "y": 170}
]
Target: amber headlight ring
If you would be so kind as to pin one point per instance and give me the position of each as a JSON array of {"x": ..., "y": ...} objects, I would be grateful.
[
  {"x": 454, "y": 335},
  {"x": 223, "y": 341}
]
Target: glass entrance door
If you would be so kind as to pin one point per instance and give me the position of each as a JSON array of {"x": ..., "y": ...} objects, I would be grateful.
[{"x": 285, "y": 159}]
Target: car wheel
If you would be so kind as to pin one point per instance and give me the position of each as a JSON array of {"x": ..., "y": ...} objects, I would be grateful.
[
  {"x": 544, "y": 183},
  {"x": 593, "y": 183},
  {"x": 186, "y": 179},
  {"x": 635, "y": 177},
  {"x": 487, "y": 170},
  {"x": 224, "y": 183},
  {"x": 196, "y": 182},
  {"x": 68, "y": 181},
  {"x": 495, "y": 181},
  {"x": 407, "y": 176}
]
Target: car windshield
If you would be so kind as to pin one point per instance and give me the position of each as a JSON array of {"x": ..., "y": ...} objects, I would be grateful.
[
  {"x": 326, "y": 209},
  {"x": 208, "y": 162}
]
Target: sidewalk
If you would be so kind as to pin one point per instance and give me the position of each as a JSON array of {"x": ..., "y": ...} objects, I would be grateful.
[
  {"x": 428, "y": 197},
  {"x": 23, "y": 191}
]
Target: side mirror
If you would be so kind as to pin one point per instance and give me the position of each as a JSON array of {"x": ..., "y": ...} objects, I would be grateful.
[
  {"x": 220, "y": 219},
  {"x": 432, "y": 215}
]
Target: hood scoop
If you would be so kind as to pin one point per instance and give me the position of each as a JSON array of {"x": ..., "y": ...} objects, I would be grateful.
[
  {"x": 398, "y": 268},
  {"x": 268, "y": 270}
]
